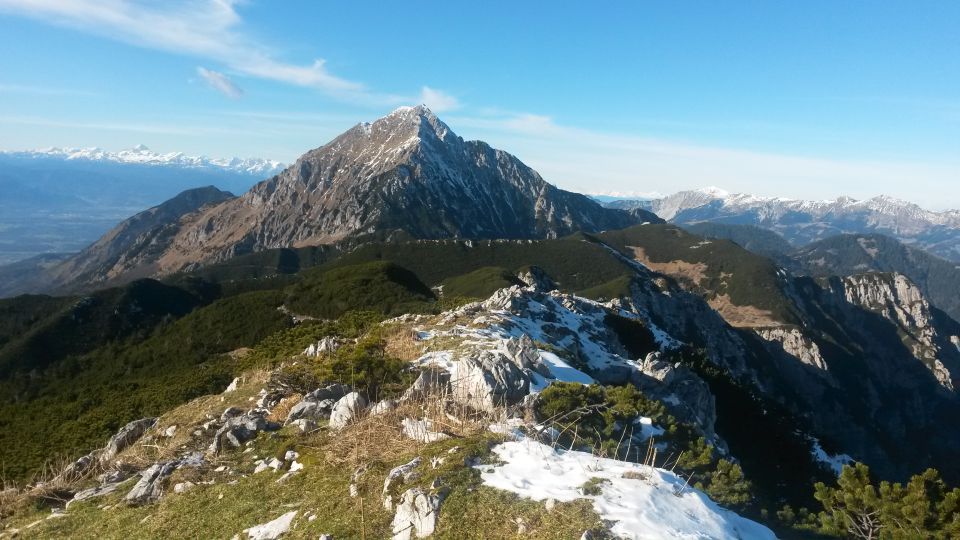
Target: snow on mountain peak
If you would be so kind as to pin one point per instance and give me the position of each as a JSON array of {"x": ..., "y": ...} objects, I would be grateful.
[
  {"x": 142, "y": 155},
  {"x": 715, "y": 191},
  {"x": 420, "y": 117}
]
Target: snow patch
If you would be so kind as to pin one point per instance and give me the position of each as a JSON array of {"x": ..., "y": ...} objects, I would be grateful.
[
  {"x": 649, "y": 504},
  {"x": 834, "y": 462}
]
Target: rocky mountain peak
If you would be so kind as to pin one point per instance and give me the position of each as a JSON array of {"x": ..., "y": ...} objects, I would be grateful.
[
  {"x": 407, "y": 171},
  {"x": 419, "y": 119}
]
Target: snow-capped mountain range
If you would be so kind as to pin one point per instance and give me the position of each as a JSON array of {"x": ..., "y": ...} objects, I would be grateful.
[
  {"x": 142, "y": 155},
  {"x": 802, "y": 222},
  {"x": 60, "y": 200}
]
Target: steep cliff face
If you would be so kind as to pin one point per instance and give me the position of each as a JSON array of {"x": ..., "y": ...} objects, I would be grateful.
[
  {"x": 796, "y": 344},
  {"x": 900, "y": 301},
  {"x": 865, "y": 362}
]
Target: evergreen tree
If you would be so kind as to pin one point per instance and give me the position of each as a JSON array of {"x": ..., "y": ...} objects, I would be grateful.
[
  {"x": 727, "y": 486},
  {"x": 853, "y": 508},
  {"x": 925, "y": 508}
]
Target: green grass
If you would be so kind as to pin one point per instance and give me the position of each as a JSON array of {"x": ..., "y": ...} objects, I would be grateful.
[
  {"x": 748, "y": 279},
  {"x": 479, "y": 283},
  {"x": 575, "y": 263},
  {"x": 378, "y": 286},
  {"x": 74, "y": 406},
  {"x": 615, "y": 288},
  {"x": 41, "y": 331},
  {"x": 234, "y": 502}
]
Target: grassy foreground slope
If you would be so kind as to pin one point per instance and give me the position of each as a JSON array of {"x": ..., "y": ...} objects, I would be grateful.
[
  {"x": 66, "y": 406},
  {"x": 236, "y": 499}
]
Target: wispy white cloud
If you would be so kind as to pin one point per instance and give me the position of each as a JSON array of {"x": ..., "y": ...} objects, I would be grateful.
[
  {"x": 207, "y": 29},
  {"x": 587, "y": 161},
  {"x": 220, "y": 82},
  {"x": 438, "y": 101}
]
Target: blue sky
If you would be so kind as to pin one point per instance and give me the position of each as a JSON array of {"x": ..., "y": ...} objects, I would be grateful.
[{"x": 799, "y": 99}]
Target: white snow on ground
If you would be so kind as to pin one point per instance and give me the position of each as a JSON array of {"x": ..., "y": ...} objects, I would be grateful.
[
  {"x": 655, "y": 506},
  {"x": 563, "y": 371},
  {"x": 835, "y": 463},
  {"x": 648, "y": 428}
]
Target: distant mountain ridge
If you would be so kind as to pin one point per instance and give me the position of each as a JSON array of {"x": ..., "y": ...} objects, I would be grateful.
[
  {"x": 407, "y": 172},
  {"x": 142, "y": 155},
  {"x": 802, "y": 222},
  {"x": 61, "y": 200}
]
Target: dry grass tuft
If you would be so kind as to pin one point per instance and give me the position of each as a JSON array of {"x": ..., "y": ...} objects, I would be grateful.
[
  {"x": 381, "y": 439},
  {"x": 401, "y": 342},
  {"x": 282, "y": 410}
]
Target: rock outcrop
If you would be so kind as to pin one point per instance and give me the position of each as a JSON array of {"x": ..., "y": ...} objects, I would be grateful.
[
  {"x": 127, "y": 435},
  {"x": 327, "y": 345},
  {"x": 899, "y": 300},
  {"x": 151, "y": 484},
  {"x": 238, "y": 429},
  {"x": 346, "y": 410},
  {"x": 416, "y": 515},
  {"x": 488, "y": 380},
  {"x": 796, "y": 344},
  {"x": 685, "y": 394}
]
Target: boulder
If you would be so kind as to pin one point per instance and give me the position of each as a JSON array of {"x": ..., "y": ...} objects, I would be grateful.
[
  {"x": 231, "y": 412},
  {"x": 183, "y": 487},
  {"x": 403, "y": 471},
  {"x": 240, "y": 429},
  {"x": 317, "y": 405},
  {"x": 383, "y": 407},
  {"x": 79, "y": 468},
  {"x": 524, "y": 353},
  {"x": 304, "y": 424},
  {"x": 232, "y": 387},
  {"x": 326, "y": 345},
  {"x": 537, "y": 279},
  {"x": 487, "y": 381},
  {"x": 685, "y": 394},
  {"x": 115, "y": 476},
  {"x": 93, "y": 492},
  {"x": 430, "y": 382},
  {"x": 416, "y": 515},
  {"x": 272, "y": 529},
  {"x": 150, "y": 486},
  {"x": 422, "y": 431},
  {"x": 303, "y": 410},
  {"x": 333, "y": 392},
  {"x": 346, "y": 410},
  {"x": 127, "y": 435}
]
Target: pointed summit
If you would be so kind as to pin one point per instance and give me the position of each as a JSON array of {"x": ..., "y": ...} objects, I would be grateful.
[
  {"x": 404, "y": 172},
  {"x": 419, "y": 121}
]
